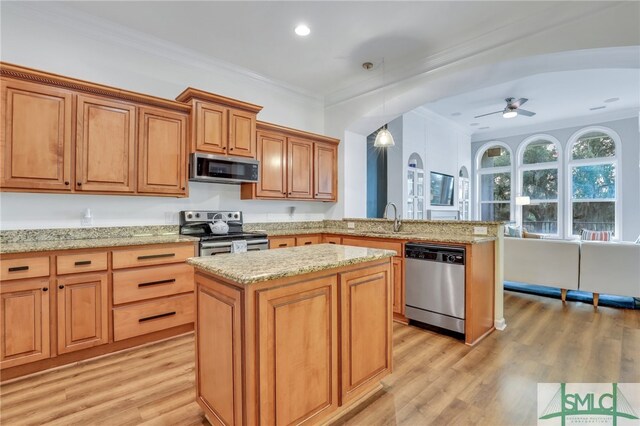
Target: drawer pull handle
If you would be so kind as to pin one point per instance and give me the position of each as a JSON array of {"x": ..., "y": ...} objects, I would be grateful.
[
  {"x": 18, "y": 268},
  {"x": 156, "y": 256},
  {"x": 168, "y": 314},
  {"x": 331, "y": 242},
  {"x": 83, "y": 262},
  {"x": 306, "y": 243},
  {"x": 282, "y": 245},
  {"x": 173, "y": 280}
]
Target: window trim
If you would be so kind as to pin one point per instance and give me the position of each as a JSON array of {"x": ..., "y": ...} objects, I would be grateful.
[
  {"x": 521, "y": 168},
  {"x": 570, "y": 162},
  {"x": 492, "y": 170}
]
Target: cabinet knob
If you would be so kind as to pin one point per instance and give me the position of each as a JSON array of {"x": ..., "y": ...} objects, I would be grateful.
[
  {"x": 79, "y": 183},
  {"x": 66, "y": 183},
  {"x": 224, "y": 147},
  {"x": 61, "y": 287},
  {"x": 230, "y": 149},
  {"x": 45, "y": 289},
  {"x": 289, "y": 193},
  {"x": 183, "y": 188}
]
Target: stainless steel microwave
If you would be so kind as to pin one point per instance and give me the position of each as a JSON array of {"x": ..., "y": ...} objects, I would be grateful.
[{"x": 222, "y": 169}]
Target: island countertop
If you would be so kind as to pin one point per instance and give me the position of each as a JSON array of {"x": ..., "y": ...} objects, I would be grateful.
[{"x": 257, "y": 266}]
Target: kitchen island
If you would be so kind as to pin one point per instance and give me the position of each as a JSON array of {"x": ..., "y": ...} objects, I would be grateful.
[{"x": 297, "y": 335}]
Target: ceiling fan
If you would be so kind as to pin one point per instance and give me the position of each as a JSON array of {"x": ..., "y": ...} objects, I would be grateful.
[{"x": 512, "y": 109}]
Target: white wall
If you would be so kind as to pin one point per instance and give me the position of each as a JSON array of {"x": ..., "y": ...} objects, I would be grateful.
[
  {"x": 52, "y": 43},
  {"x": 628, "y": 130}
]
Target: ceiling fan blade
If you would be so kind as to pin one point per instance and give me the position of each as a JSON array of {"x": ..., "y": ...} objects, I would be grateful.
[
  {"x": 526, "y": 113},
  {"x": 484, "y": 115},
  {"x": 518, "y": 103}
]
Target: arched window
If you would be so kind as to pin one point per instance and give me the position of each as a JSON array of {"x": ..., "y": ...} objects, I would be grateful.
[
  {"x": 493, "y": 182},
  {"x": 464, "y": 194},
  {"x": 593, "y": 171},
  {"x": 538, "y": 209}
]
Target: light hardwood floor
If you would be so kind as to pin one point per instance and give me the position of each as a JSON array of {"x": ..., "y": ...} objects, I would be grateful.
[{"x": 436, "y": 380}]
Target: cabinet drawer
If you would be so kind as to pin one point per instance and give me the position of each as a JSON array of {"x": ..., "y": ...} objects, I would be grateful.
[
  {"x": 28, "y": 267},
  {"x": 281, "y": 242},
  {"x": 74, "y": 263},
  {"x": 148, "y": 283},
  {"x": 331, "y": 239},
  {"x": 378, "y": 244},
  {"x": 307, "y": 241},
  {"x": 152, "y": 256},
  {"x": 147, "y": 317}
]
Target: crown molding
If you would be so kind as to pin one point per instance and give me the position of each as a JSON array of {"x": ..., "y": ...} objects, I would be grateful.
[{"x": 102, "y": 29}]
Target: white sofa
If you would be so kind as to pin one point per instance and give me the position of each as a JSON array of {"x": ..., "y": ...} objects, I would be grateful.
[
  {"x": 593, "y": 266},
  {"x": 552, "y": 263},
  {"x": 610, "y": 268}
]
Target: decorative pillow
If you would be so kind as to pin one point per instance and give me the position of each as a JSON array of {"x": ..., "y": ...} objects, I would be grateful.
[
  {"x": 526, "y": 234},
  {"x": 588, "y": 235},
  {"x": 513, "y": 231}
]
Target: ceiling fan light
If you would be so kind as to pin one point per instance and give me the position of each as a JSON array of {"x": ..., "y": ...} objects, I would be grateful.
[
  {"x": 509, "y": 113},
  {"x": 384, "y": 138}
]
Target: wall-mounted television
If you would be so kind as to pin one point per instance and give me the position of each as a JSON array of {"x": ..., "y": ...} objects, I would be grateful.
[{"x": 441, "y": 189}]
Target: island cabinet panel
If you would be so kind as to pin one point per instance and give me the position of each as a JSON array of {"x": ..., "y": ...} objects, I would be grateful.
[
  {"x": 210, "y": 128},
  {"x": 162, "y": 162},
  {"x": 242, "y": 133},
  {"x": 36, "y": 136},
  {"x": 325, "y": 173},
  {"x": 366, "y": 329},
  {"x": 83, "y": 311},
  {"x": 272, "y": 154},
  {"x": 300, "y": 173},
  {"x": 105, "y": 145},
  {"x": 398, "y": 286},
  {"x": 298, "y": 351},
  {"x": 219, "y": 385},
  {"x": 24, "y": 321}
]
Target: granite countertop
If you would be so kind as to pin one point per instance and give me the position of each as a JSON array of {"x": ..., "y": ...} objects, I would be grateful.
[
  {"x": 408, "y": 236},
  {"x": 53, "y": 245},
  {"x": 257, "y": 266}
]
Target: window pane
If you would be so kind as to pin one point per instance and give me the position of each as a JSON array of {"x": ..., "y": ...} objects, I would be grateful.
[
  {"x": 595, "y": 216},
  {"x": 496, "y": 212},
  {"x": 598, "y": 181},
  {"x": 593, "y": 145},
  {"x": 495, "y": 157},
  {"x": 540, "y": 152},
  {"x": 495, "y": 187},
  {"x": 541, "y": 218},
  {"x": 540, "y": 184}
]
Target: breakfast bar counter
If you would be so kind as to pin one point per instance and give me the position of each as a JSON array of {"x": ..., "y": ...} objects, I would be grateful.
[{"x": 296, "y": 335}]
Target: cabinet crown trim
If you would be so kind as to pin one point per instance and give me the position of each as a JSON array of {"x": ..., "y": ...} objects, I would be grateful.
[
  {"x": 190, "y": 94},
  {"x": 263, "y": 125}
]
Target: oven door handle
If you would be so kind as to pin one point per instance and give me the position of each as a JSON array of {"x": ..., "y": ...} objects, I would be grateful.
[
  {"x": 215, "y": 245},
  {"x": 255, "y": 242}
]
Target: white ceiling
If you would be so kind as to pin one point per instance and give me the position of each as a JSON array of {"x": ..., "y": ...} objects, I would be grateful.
[
  {"x": 259, "y": 36},
  {"x": 554, "y": 97}
]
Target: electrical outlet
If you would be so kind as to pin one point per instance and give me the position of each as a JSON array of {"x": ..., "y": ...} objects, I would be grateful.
[
  {"x": 479, "y": 230},
  {"x": 87, "y": 218},
  {"x": 351, "y": 225}
]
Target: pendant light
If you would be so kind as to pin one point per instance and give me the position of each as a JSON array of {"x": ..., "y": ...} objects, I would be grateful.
[{"x": 384, "y": 138}]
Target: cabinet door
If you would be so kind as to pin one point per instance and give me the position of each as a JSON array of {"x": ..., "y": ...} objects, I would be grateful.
[
  {"x": 82, "y": 312},
  {"x": 398, "y": 285},
  {"x": 325, "y": 172},
  {"x": 162, "y": 163},
  {"x": 242, "y": 133},
  {"x": 36, "y": 136},
  {"x": 24, "y": 322},
  {"x": 211, "y": 128},
  {"x": 366, "y": 329},
  {"x": 300, "y": 170},
  {"x": 298, "y": 351},
  {"x": 219, "y": 384},
  {"x": 272, "y": 150},
  {"x": 105, "y": 145}
]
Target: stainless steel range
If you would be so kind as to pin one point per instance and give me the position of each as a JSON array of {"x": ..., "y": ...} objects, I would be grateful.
[{"x": 197, "y": 223}]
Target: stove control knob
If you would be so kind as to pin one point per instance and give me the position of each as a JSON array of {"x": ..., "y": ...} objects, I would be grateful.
[
  {"x": 197, "y": 214},
  {"x": 189, "y": 215}
]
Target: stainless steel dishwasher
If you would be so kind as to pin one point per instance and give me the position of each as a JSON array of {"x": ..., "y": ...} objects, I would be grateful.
[{"x": 435, "y": 285}]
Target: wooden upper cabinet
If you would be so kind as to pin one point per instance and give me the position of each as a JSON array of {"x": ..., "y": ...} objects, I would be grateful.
[
  {"x": 162, "y": 161},
  {"x": 105, "y": 145},
  {"x": 210, "y": 128},
  {"x": 36, "y": 136},
  {"x": 24, "y": 321},
  {"x": 300, "y": 168},
  {"x": 272, "y": 155},
  {"x": 242, "y": 133},
  {"x": 325, "y": 171}
]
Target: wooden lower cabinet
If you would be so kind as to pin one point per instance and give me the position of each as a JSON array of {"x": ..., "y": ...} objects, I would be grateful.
[
  {"x": 83, "y": 312},
  {"x": 24, "y": 321}
]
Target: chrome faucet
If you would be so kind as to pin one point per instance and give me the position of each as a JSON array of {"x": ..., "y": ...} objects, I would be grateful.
[{"x": 397, "y": 223}]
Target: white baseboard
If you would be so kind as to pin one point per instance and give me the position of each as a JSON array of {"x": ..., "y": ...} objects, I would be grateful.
[{"x": 500, "y": 324}]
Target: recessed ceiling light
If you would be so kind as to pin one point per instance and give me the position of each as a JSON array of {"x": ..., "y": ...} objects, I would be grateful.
[
  {"x": 598, "y": 107},
  {"x": 456, "y": 114},
  {"x": 608, "y": 101},
  {"x": 302, "y": 30},
  {"x": 474, "y": 124},
  {"x": 483, "y": 128}
]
